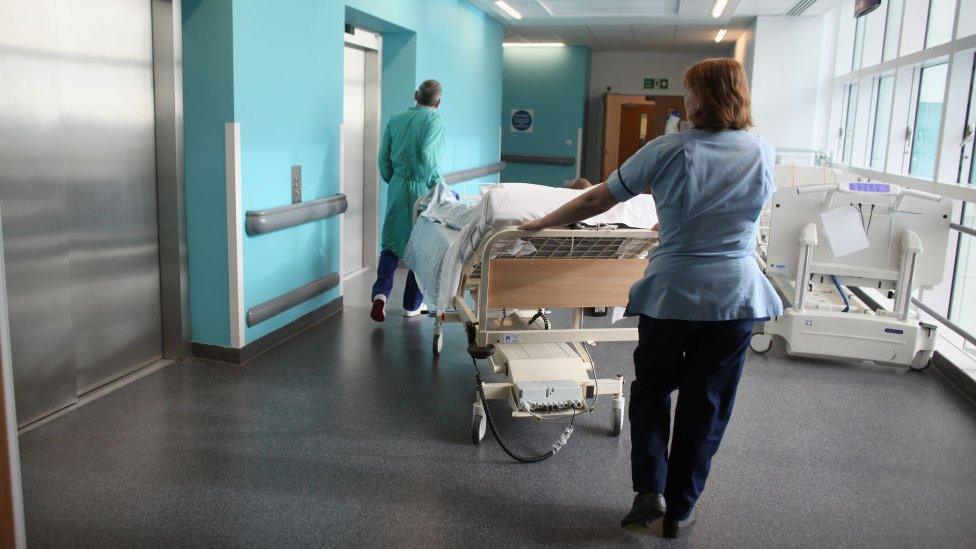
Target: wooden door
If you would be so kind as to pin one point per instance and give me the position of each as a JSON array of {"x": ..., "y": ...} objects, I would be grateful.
[{"x": 635, "y": 129}]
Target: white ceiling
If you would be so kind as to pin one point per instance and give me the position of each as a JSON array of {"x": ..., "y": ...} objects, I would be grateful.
[{"x": 660, "y": 25}]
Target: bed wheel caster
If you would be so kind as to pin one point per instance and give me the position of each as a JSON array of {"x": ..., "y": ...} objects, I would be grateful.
[
  {"x": 437, "y": 344},
  {"x": 617, "y": 420},
  {"x": 921, "y": 361},
  {"x": 478, "y": 424},
  {"x": 760, "y": 343}
]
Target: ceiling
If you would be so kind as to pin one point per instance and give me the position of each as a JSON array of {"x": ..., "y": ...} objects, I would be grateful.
[{"x": 658, "y": 25}]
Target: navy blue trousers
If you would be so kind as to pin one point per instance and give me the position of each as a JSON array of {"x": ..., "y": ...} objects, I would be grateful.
[
  {"x": 412, "y": 298},
  {"x": 703, "y": 362}
]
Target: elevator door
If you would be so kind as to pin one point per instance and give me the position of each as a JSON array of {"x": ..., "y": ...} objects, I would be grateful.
[
  {"x": 78, "y": 196},
  {"x": 353, "y": 157}
]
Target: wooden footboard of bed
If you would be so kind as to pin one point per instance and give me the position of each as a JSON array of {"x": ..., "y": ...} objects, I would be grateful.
[{"x": 556, "y": 283}]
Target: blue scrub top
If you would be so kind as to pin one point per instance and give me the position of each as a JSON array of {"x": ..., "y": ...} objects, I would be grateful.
[{"x": 709, "y": 188}]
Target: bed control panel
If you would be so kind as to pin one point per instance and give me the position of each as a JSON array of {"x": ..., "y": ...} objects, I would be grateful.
[
  {"x": 871, "y": 187},
  {"x": 549, "y": 396}
]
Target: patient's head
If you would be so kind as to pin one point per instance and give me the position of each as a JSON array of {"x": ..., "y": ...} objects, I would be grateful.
[{"x": 579, "y": 184}]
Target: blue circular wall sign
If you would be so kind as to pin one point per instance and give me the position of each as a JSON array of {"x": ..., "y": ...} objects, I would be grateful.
[{"x": 521, "y": 120}]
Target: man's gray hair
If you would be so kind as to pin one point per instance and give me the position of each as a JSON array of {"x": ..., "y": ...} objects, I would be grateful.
[{"x": 429, "y": 93}]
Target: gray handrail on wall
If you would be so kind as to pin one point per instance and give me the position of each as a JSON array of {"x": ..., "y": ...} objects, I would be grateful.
[
  {"x": 274, "y": 219},
  {"x": 551, "y": 160},
  {"x": 263, "y": 311},
  {"x": 472, "y": 173}
]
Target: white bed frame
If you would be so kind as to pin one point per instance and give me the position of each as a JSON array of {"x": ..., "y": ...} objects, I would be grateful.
[
  {"x": 498, "y": 297},
  {"x": 907, "y": 251}
]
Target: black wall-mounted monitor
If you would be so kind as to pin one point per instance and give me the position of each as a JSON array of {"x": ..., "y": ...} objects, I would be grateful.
[{"x": 864, "y": 7}]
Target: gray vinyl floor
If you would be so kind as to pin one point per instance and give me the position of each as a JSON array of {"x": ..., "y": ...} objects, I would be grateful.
[{"x": 351, "y": 434}]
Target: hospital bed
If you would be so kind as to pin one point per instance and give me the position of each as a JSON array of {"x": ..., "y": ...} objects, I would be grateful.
[
  {"x": 906, "y": 233},
  {"x": 504, "y": 295}
]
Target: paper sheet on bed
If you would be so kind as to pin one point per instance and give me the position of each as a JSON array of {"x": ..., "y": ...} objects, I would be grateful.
[{"x": 449, "y": 231}]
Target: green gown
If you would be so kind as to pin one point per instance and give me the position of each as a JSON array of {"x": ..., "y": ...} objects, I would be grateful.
[{"x": 410, "y": 157}]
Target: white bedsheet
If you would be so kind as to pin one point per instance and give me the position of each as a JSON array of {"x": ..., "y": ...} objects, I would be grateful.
[{"x": 448, "y": 232}]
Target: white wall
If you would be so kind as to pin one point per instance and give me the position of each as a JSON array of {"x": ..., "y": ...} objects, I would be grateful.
[
  {"x": 624, "y": 72},
  {"x": 744, "y": 50},
  {"x": 788, "y": 101}
]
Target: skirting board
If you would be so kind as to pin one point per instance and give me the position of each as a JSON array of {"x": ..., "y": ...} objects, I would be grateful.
[
  {"x": 955, "y": 376},
  {"x": 269, "y": 341}
]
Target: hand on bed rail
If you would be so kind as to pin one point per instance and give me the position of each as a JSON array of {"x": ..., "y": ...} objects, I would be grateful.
[{"x": 593, "y": 202}]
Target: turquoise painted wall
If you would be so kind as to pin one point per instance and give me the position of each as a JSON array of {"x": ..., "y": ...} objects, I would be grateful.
[
  {"x": 553, "y": 83},
  {"x": 288, "y": 101},
  {"x": 456, "y": 43},
  {"x": 208, "y": 102},
  {"x": 276, "y": 68}
]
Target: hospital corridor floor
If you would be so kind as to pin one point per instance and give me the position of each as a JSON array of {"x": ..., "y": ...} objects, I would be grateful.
[{"x": 352, "y": 434}]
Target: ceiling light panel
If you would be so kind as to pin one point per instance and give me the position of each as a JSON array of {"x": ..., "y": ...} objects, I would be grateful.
[
  {"x": 593, "y": 8},
  {"x": 507, "y": 9}
]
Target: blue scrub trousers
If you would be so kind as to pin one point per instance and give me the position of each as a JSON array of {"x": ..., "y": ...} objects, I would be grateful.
[
  {"x": 412, "y": 298},
  {"x": 703, "y": 362}
]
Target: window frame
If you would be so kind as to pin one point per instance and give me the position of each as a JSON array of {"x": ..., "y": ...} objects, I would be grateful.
[
  {"x": 916, "y": 96},
  {"x": 966, "y": 163},
  {"x": 848, "y": 121},
  {"x": 897, "y": 36},
  {"x": 952, "y": 24},
  {"x": 873, "y": 121}
]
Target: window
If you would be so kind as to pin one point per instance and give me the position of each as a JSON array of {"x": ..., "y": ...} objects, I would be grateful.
[
  {"x": 884, "y": 91},
  {"x": 967, "y": 19},
  {"x": 859, "y": 25},
  {"x": 939, "y": 26},
  {"x": 847, "y": 131},
  {"x": 963, "y": 305},
  {"x": 892, "y": 29},
  {"x": 967, "y": 167},
  {"x": 928, "y": 119}
]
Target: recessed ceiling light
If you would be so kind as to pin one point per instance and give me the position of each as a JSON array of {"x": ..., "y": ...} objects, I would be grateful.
[
  {"x": 546, "y": 7},
  {"x": 717, "y": 8},
  {"x": 720, "y": 35},
  {"x": 502, "y": 5},
  {"x": 533, "y": 44}
]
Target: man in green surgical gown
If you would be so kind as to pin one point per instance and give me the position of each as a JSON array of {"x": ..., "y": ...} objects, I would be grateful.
[{"x": 409, "y": 158}]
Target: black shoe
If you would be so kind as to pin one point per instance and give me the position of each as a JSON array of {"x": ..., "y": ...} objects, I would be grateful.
[
  {"x": 671, "y": 528},
  {"x": 646, "y": 508}
]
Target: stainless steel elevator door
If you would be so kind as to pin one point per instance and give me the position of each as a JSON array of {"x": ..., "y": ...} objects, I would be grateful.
[
  {"x": 353, "y": 155},
  {"x": 78, "y": 195}
]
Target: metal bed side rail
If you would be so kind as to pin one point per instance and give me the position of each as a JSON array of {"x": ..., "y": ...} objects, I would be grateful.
[{"x": 482, "y": 253}]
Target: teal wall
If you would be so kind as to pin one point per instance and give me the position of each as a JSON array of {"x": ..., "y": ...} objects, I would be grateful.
[
  {"x": 276, "y": 68},
  {"x": 288, "y": 101},
  {"x": 553, "y": 83},
  {"x": 456, "y": 43},
  {"x": 208, "y": 102}
]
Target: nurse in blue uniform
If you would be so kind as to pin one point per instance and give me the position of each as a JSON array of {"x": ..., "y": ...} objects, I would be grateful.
[{"x": 702, "y": 291}]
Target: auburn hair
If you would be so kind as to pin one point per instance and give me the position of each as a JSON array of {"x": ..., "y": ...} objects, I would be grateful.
[{"x": 722, "y": 89}]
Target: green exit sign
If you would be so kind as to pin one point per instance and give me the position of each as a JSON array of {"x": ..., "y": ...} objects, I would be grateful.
[{"x": 655, "y": 83}]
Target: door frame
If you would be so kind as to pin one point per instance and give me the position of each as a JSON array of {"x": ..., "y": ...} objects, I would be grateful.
[
  {"x": 167, "y": 52},
  {"x": 372, "y": 44},
  {"x": 613, "y": 104}
]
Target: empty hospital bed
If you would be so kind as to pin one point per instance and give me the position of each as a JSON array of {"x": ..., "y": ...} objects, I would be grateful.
[{"x": 904, "y": 237}]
